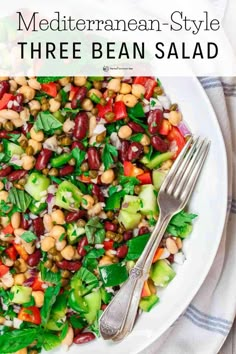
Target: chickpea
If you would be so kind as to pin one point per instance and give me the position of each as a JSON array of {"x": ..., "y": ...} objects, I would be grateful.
[
  {"x": 29, "y": 247},
  {"x": 58, "y": 217},
  {"x": 1, "y": 185},
  {"x": 18, "y": 122},
  {"x": 60, "y": 245},
  {"x": 37, "y": 136},
  {"x": 120, "y": 97},
  {"x": 108, "y": 176},
  {"x": 68, "y": 126},
  {"x": 87, "y": 202},
  {"x": 130, "y": 100},
  {"x": 13, "y": 86},
  {"x": 114, "y": 85},
  {"x": 5, "y": 222},
  {"x": 68, "y": 252},
  {"x": 64, "y": 81},
  {"x": 8, "y": 114},
  {"x": 21, "y": 265},
  {"x": 125, "y": 88},
  {"x": 138, "y": 90},
  {"x": 57, "y": 231},
  {"x": 20, "y": 80},
  {"x": 125, "y": 132},
  {"x": 54, "y": 105},
  {"x": 19, "y": 279},
  {"x": 175, "y": 117},
  {"x": 145, "y": 140},
  {"x": 36, "y": 145},
  {"x": 38, "y": 298},
  {"x": 15, "y": 220},
  {"x": 3, "y": 195},
  {"x": 47, "y": 222},
  {"x": 27, "y": 92},
  {"x": 105, "y": 260},
  {"x": 95, "y": 92},
  {"x": 18, "y": 232},
  {"x": 92, "y": 125},
  {"x": 80, "y": 80},
  {"x": 68, "y": 340},
  {"x": 34, "y": 105},
  {"x": 2, "y": 320},
  {"x": 28, "y": 162},
  {"x": 166, "y": 165},
  {"x": 3, "y": 78},
  {"x": 25, "y": 114},
  {"x": 34, "y": 84},
  {"x": 87, "y": 104},
  {"x": 95, "y": 210},
  {"x": 8, "y": 262},
  {"x": 47, "y": 243}
]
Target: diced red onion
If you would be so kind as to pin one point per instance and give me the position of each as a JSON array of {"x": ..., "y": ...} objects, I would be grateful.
[
  {"x": 67, "y": 88},
  {"x": 184, "y": 130},
  {"x": 127, "y": 79},
  {"x": 8, "y": 186},
  {"x": 29, "y": 281}
]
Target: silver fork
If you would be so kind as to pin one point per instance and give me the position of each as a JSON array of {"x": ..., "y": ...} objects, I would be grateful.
[{"x": 118, "y": 319}]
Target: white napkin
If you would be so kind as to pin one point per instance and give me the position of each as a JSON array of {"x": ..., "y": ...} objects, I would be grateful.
[{"x": 204, "y": 326}]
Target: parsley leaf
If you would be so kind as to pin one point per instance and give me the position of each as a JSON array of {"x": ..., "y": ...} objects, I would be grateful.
[
  {"x": 136, "y": 137},
  {"x": 48, "y": 276},
  {"x": 128, "y": 184},
  {"x": 108, "y": 153},
  {"x": 114, "y": 200},
  {"x": 14, "y": 137},
  {"x": 28, "y": 236},
  {"x": 47, "y": 79},
  {"x": 17, "y": 339},
  {"x": 79, "y": 156},
  {"x": 92, "y": 228},
  {"x": 181, "y": 224},
  {"x": 50, "y": 340},
  {"x": 46, "y": 122},
  {"x": 49, "y": 299},
  {"x": 19, "y": 198},
  {"x": 4, "y": 208},
  {"x": 90, "y": 261}
]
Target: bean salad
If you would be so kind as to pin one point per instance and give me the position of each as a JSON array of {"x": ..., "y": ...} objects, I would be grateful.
[{"x": 81, "y": 162}]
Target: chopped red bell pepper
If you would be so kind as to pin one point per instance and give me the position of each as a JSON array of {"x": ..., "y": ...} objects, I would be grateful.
[
  {"x": 11, "y": 252},
  {"x": 130, "y": 170},
  {"x": 108, "y": 245},
  {"x": 165, "y": 127},
  {"x": 37, "y": 285},
  {"x": 3, "y": 270},
  {"x": 30, "y": 314},
  {"x": 50, "y": 89},
  {"x": 145, "y": 178},
  {"x": 175, "y": 136},
  {"x": 148, "y": 82},
  {"x": 5, "y": 99},
  {"x": 73, "y": 92},
  {"x": 102, "y": 110},
  {"x": 21, "y": 251},
  {"x": 85, "y": 179},
  {"x": 8, "y": 229},
  {"x": 119, "y": 109}
]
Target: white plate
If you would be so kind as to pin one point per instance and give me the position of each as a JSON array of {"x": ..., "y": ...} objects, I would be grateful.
[{"x": 209, "y": 201}]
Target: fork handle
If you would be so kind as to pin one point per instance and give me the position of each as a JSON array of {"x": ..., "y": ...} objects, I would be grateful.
[{"x": 127, "y": 299}]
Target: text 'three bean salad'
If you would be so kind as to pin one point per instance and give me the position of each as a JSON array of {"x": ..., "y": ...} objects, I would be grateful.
[{"x": 81, "y": 163}]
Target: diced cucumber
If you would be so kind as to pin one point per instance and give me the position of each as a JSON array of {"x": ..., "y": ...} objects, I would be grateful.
[
  {"x": 37, "y": 185},
  {"x": 162, "y": 273},
  {"x": 157, "y": 160},
  {"x": 21, "y": 294},
  {"x": 129, "y": 220},
  {"x": 148, "y": 302},
  {"x": 148, "y": 200},
  {"x": 94, "y": 301},
  {"x": 68, "y": 196},
  {"x": 74, "y": 232},
  {"x": 11, "y": 148},
  {"x": 131, "y": 204},
  {"x": 158, "y": 177}
]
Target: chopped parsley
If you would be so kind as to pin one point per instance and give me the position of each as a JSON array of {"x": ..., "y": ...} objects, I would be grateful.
[{"x": 109, "y": 152}]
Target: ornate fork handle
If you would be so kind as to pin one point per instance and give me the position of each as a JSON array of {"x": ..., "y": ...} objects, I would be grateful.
[{"x": 126, "y": 300}]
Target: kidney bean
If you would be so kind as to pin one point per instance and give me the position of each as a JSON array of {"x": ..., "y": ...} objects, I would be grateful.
[
  {"x": 16, "y": 175},
  {"x": 5, "y": 171},
  {"x": 66, "y": 170},
  {"x": 26, "y": 128},
  {"x": 127, "y": 235},
  {"x": 122, "y": 251},
  {"x": 69, "y": 265},
  {"x": 123, "y": 151},
  {"x": 84, "y": 337},
  {"x": 34, "y": 258},
  {"x": 136, "y": 127},
  {"x": 109, "y": 226},
  {"x": 98, "y": 193},
  {"x": 143, "y": 230},
  {"x": 93, "y": 158},
  {"x": 43, "y": 159},
  {"x": 4, "y": 87},
  {"x": 74, "y": 216},
  {"x": 171, "y": 258},
  {"x": 38, "y": 226},
  {"x": 80, "y": 249},
  {"x": 18, "y": 103},
  {"x": 24, "y": 223},
  {"x": 103, "y": 307},
  {"x": 159, "y": 144},
  {"x": 79, "y": 96},
  {"x": 77, "y": 331},
  {"x": 78, "y": 144},
  {"x": 81, "y": 126},
  {"x": 135, "y": 151},
  {"x": 154, "y": 120}
]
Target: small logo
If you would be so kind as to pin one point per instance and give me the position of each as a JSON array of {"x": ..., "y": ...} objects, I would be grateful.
[{"x": 106, "y": 68}]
